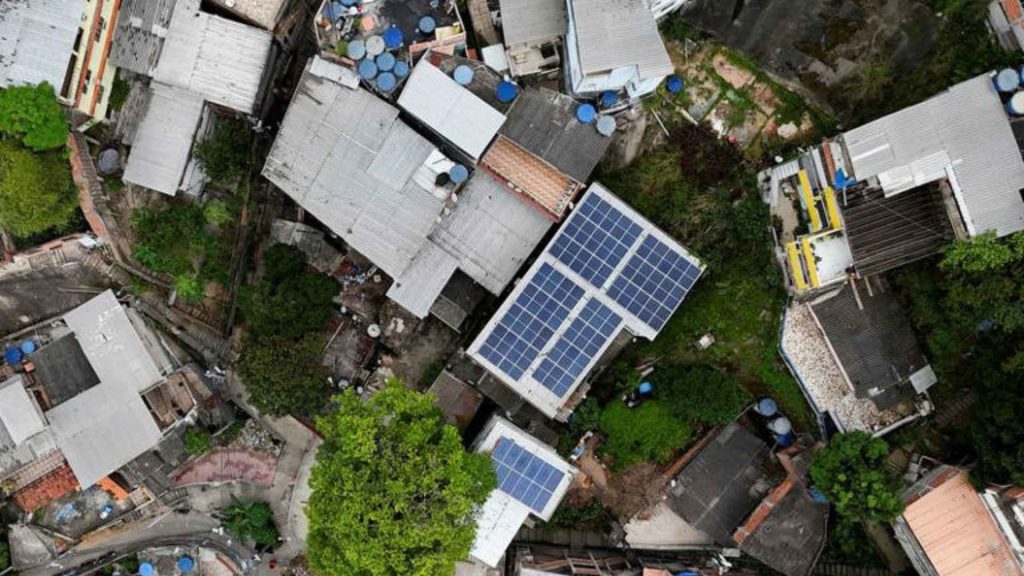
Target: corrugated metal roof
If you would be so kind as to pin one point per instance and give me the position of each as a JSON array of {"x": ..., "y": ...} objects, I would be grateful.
[
  {"x": 263, "y": 13},
  {"x": 452, "y": 111},
  {"x": 19, "y": 415},
  {"x": 531, "y": 176},
  {"x": 222, "y": 60},
  {"x": 614, "y": 34},
  {"x": 163, "y": 141},
  {"x": 544, "y": 122},
  {"x": 36, "y": 40},
  {"x": 423, "y": 280},
  {"x": 526, "y": 21},
  {"x": 968, "y": 124},
  {"x": 502, "y": 516},
  {"x": 141, "y": 29},
  {"x": 491, "y": 232}
]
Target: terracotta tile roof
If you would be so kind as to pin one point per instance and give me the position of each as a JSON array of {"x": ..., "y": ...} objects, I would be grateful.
[
  {"x": 49, "y": 487},
  {"x": 1013, "y": 10},
  {"x": 957, "y": 532},
  {"x": 540, "y": 182}
]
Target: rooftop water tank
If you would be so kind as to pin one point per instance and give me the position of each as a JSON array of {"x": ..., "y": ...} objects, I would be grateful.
[
  {"x": 766, "y": 407},
  {"x": 386, "y": 82},
  {"x": 374, "y": 45},
  {"x": 356, "y": 50},
  {"x": 506, "y": 91},
  {"x": 12, "y": 355},
  {"x": 1015, "y": 105},
  {"x": 605, "y": 125},
  {"x": 146, "y": 569},
  {"x": 586, "y": 113},
  {"x": 393, "y": 37},
  {"x": 609, "y": 98},
  {"x": 674, "y": 84},
  {"x": 385, "y": 62},
  {"x": 401, "y": 69},
  {"x": 186, "y": 564},
  {"x": 463, "y": 75},
  {"x": 459, "y": 174},
  {"x": 1007, "y": 80},
  {"x": 367, "y": 69},
  {"x": 427, "y": 24},
  {"x": 28, "y": 347}
]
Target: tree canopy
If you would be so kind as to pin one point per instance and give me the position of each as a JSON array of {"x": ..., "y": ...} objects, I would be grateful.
[
  {"x": 33, "y": 114},
  {"x": 700, "y": 393},
  {"x": 251, "y": 522},
  {"x": 290, "y": 301},
  {"x": 852, "y": 474},
  {"x": 225, "y": 155},
  {"x": 36, "y": 191},
  {"x": 284, "y": 376},
  {"x": 176, "y": 241},
  {"x": 394, "y": 491}
]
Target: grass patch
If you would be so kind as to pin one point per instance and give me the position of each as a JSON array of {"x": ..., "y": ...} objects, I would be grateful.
[{"x": 650, "y": 432}]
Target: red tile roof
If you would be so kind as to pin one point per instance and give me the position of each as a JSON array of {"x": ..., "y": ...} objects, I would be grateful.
[
  {"x": 50, "y": 487},
  {"x": 543, "y": 184}
]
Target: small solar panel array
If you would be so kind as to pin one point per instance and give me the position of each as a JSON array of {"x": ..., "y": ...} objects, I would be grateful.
[
  {"x": 594, "y": 244},
  {"x": 523, "y": 475}
]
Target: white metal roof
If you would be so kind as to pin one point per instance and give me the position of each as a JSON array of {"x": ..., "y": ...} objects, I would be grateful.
[
  {"x": 501, "y": 516},
  {"x": 963, "y": 134},
  {"x": 526, "y": 385},
  {"x": 526, "y": 21},
  {"x": 221, "y": 60},
  {"x": 163, "y": 142},
  {"x": 613, "y": 34},
  {"x": 455, "y": 113},
  {"x": 422, "y": 282},
  {"x": 19, "y": 414},
  {"x": 36, "y": 40},
  {"x": 261, "y": 12}
]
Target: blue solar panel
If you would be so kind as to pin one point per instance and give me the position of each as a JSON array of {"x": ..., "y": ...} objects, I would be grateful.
[
  {"x": 523, "y": 475},
  {"x": 654, "y": 282},
  {"x": 571, "y": 354},
  {"x": 595, "y": 240},
  {"x": 531, "y": 320}
]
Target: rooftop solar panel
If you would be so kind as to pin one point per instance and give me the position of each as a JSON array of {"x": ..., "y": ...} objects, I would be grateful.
[
  {"x": 523, "y": 475},
  {"x": 573, "y": 352},
  {"x": 595, "y": 240},
  {"x": 531, "y": 321},
  {"x": 654, "y": 282}
]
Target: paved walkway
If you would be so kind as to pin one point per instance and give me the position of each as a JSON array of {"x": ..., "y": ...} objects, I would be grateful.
[{"x": 229, "y": 465}]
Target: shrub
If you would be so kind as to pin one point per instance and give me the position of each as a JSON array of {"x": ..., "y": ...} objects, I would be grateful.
[
  {"x": 197, "y": 441},
  {"x": 36, "y": 191},
  {"x": 251, "y": 522},
  {"x": 636, "y": 435},
  {"x": 700, "y": 393},
  {"x": 119, "y": 92},
  {"x": 852, "y": 473},
  {"x": 33, "y": 114},
  {"x": 283, "y": 376},
  {"x": 291, "y": 301},
  {"x": 225, "y": 155}
]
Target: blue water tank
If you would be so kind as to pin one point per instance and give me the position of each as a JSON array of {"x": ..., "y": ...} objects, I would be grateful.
[
  {"x": 609, "y": 98},
  {"x": 401, "y": 69},
  {"x": 1007, "y": 80},
  {"x": 766, "y": 407},
  {"x": 393, "y": 37},
  {"x": 674, "y": 84},
  {"x": 367, "y": 69},
  {"x": 186, "y": 564},
  {"x": 28, "y": 347},
  {"x": 645, "y": 387},
  {"x": 463, "y": 75},
  {"x": 386, "y": 82},
  {"x": 586, "y": 113},
  {"x": 459, "y": 174},
  {"x": 427, "y": 24},
  {"x": 506, "y": 91},
  {"x": 146, "y": 569},
  {"x": 356, "y": 50},
  {"x": 349, "y": 3},
  {"x": 12, "y": 355},
  {"x": 1015, "y": 105},
  {"x": 385, "y": 62}
]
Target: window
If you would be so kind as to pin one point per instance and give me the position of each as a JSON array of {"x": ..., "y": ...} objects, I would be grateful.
[
  {"x": 100, "y": 28},
  {"x": 78, "y": 40}
]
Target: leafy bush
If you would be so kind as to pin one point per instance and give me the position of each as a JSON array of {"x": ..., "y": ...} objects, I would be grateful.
[
  {"x": 852, "y": 473},
  {"x": 197, "y": 441},
  {"x": 217, "y": 213},
  {"x": 700, "y": 393},
  {"x": 283, "y": 376},
  {"x": 175, "y": 241},
  {"x": 225, "y": 155},
  {"x": 291, "y": 301},
  {"x": 593, "y": 515},
  {"x": 251, "y": 522},
  {"x": 637, "y": 435},
  {"x": 36, "y": 191},
  {"x": 119, "y": 92},
  {"x": 33, "y": 114},
  {"x": 5, "y": 556},
  {"x": 394, "y": 490}
]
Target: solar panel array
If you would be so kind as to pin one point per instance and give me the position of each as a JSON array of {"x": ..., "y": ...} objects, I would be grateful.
[
  {"x": 531, "y": 321},
  {"x": 595, "y": 240},
  {"x": 524, "y": 476},
  {"x": 654, "y": 282},
  {"x": 586, "y": 336}
]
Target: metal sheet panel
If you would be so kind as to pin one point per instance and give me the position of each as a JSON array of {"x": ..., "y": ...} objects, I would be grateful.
[
  {"x": 529, "y": 21},
  {"x": 36, "y": 40},
  {"x": 613, "y": 34},
  {"x": 163, "y": 141}
]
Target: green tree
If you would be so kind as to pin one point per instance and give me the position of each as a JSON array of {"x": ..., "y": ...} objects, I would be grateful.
[
  {"x": 33, "y": 114},
  {"x": 394, "y": 491},
  {"x": 853, "y": 475},
  {"x": 176, "y": 241},
  {"x": 225, "y": 155},
  {"x": 197, "y": 441},
  {"x": 5, "y": 556},
  {"x": 283, "y": 376},
  {"x": 36, "y": 191},
  {"x": 648, "y": 432},
  {"x": 251, "y": 522},
  {"x": 291, "y": 301},
  {"x": 700, "y": 393}
]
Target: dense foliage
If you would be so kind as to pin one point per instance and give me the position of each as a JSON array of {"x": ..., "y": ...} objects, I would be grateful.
[
  {"x": 32, "y": 114},
  {"x": 394, "y": 490},
  {"x": 700, "y": 393},
  {"x": 5, "y": 556},
  {"x": 650, "y": 432},
  {"x": 852, "y": 473},
  {"x": 177, "y": 241},
  {"x": 251, "y": 522},
  {"x": 225, "y": 155},
  {"x": 290, "y": 301},
  {"x": 284, "y": 376},
  {"x": 36, "y": 191},
  {"x": 197, "y": 441}
]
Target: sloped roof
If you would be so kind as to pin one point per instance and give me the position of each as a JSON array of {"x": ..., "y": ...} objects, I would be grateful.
[
  {"x": 450, "y": 110},
  {"x": 221, "y": 60},
  {"x": 63, "y": 370},
  {"x": 951, "y": 524},
  {"x": 36, "y": 40},
  {"x": 525, "y": 21},
  {"x": 614, "y": 34},
  {"x": 163, "y": 142},
  {"x": 963, "y": 131},
  {"x": 263, "y": 13},
  {"x": 789, "y": 529},
  {"x": 140, "y": 32},
  {"x": 530, "y": 176},
  {"x": 20, "y": 418}
]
